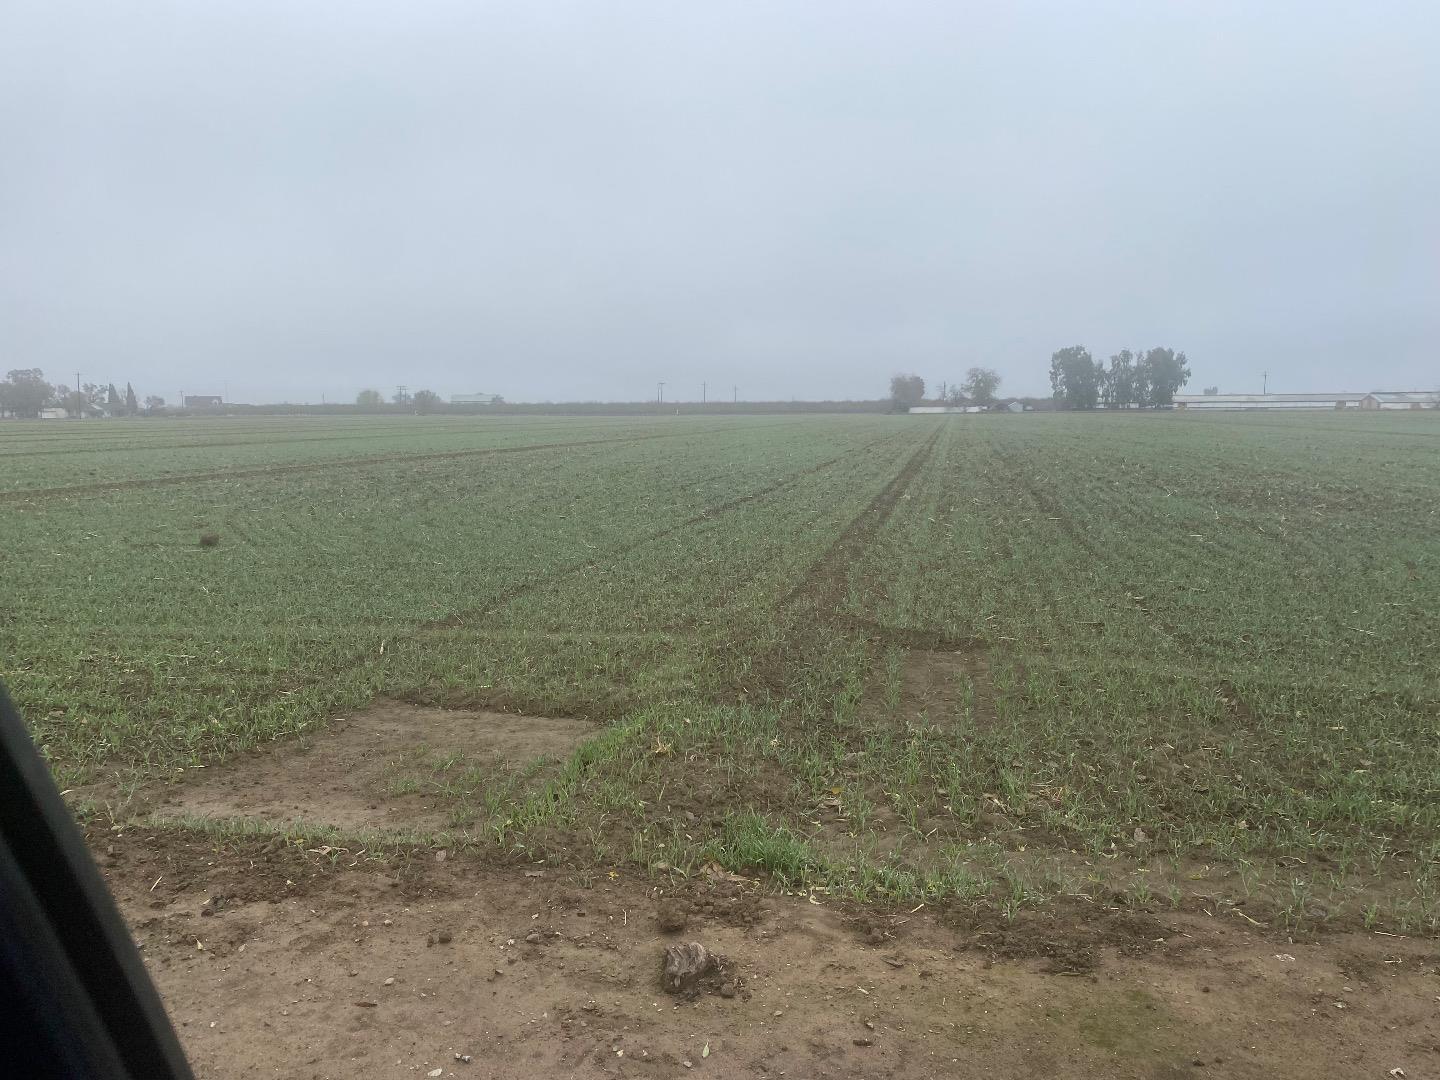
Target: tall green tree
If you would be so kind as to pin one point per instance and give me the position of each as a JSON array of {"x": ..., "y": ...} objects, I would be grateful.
[
  {"x": 132, "y": 406},
  {"x": 1120, "y": 387},
  {"x": 369, "y": 398},
  {"x": 1165, "y": 371},
  {"x": 980, "y": 385},
  {"x": 425, "y": 401},
  {"x": 1075, "y": 378},
  {"x": 906, "y": 390},
  {"x": 25, "y": 392}
]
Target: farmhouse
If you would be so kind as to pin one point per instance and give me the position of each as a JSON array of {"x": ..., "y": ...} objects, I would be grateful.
[{"x": 202, "y": 401}]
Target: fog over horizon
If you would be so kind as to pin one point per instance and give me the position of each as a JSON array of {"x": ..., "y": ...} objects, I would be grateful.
[{"x": 569, "y": 201}]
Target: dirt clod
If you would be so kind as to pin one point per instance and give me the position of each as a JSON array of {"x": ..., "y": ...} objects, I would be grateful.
[
  {"x": 692, "y": 968},
  {"x": 673, "y": 916}
]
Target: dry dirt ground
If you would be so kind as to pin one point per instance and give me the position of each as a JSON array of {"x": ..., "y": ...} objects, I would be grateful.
[
  {"x": 381, "y": 769},
  {"x": 283, "y": 959},
  {"x": 280, "y": 962}
]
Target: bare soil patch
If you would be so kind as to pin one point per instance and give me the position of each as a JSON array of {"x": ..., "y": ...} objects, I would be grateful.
[
  {"x": 936, "y": 688},
  {"x": 388, "y": 767},
  {"x": 288, "y": 963}
]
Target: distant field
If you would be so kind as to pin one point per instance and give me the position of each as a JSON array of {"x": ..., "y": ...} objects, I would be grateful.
[{"x": 986, "y": 658}]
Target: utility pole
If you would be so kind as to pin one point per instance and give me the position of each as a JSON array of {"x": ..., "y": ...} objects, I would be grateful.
[
  {"x": 660, "y": 393},
  {"x": 1264, "y": 382},
  {"x": 703, "y": 388},
  {"x": 79, "y": 405},
  {"x": 400, "y": 395},
  {"x": 734, "y": 395}
]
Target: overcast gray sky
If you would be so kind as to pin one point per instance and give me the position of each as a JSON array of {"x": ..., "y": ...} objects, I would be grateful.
[{"x": 573, "y": 201}]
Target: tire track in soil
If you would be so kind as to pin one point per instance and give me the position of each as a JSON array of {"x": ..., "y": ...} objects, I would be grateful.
[
  {"x": 537, "y": 581},
  {"x": 929, "y": 650},
  {"x": 825, "y": 581},
  {"x": 1043, "y": 587},
  {"x": 319, "y": 466},
  {"x": 528, "y": 586},
  {"x": 1066, "y": 523},
  {"x": 1180, "y": 637},
  {"x": 692, "y": 620},
  {"x": 1046, "y": 504}
]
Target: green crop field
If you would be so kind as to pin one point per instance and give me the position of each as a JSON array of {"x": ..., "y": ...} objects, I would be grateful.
[{"x": 985, "y": 659}]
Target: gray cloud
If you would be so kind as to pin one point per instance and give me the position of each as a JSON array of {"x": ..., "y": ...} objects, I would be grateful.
[{"x": 577, "y": 200}]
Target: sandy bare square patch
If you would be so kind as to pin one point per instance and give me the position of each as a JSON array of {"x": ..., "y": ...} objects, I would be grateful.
[{"x": 391, "y": 766}]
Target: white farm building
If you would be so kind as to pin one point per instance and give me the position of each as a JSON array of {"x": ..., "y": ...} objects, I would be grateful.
[
  {"x": 474, "y": 399},
  {"x": 1267, "y": 401},
  {"x": 1401, "y": 399},
  {"x": 1380, "y": 399}
]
